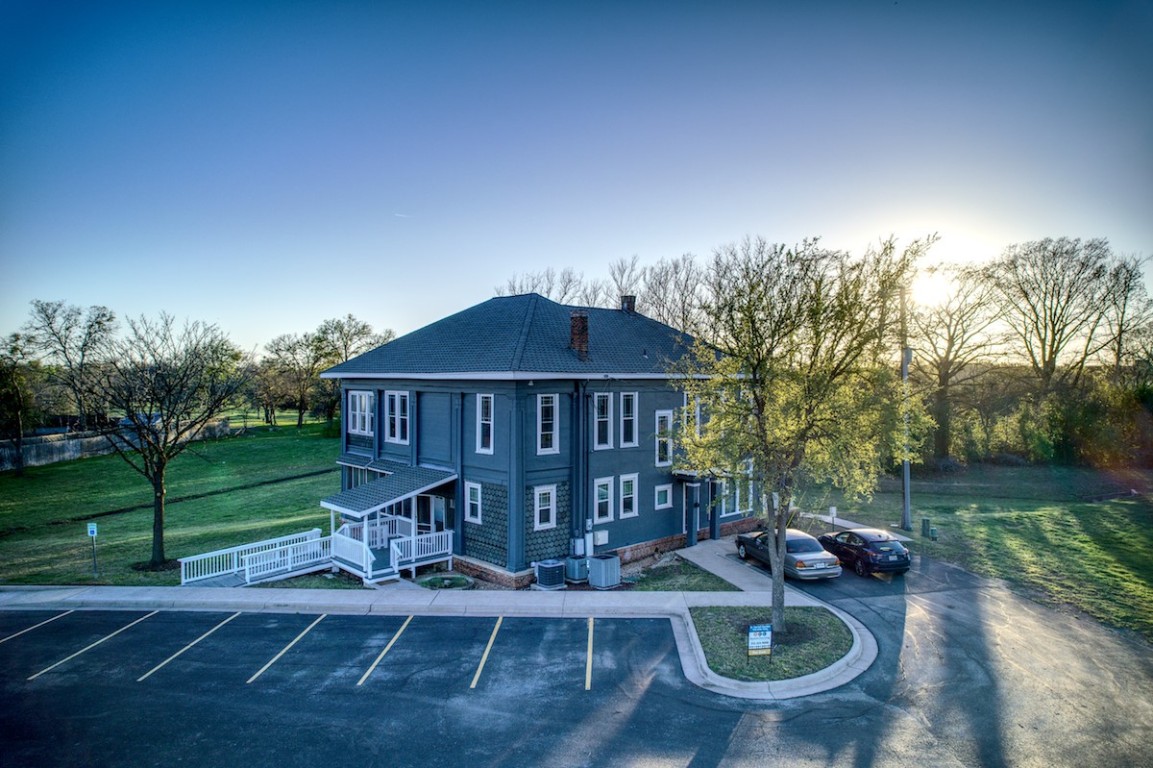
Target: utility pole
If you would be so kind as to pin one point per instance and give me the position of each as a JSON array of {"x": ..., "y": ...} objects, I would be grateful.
[{"x": 906, "y": 359}]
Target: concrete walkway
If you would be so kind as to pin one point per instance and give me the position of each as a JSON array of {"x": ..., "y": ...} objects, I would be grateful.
[{"x": 716, "y": 556}]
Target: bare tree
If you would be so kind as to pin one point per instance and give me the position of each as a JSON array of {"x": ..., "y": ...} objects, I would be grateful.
[
  {"x": 342, "y": 339},
  {"x": 563, "y": 287},
  {"x": 72, "y": 339},
  {"x": 1053, "y": 294},
  {"x": 952, "y": 339},
  {"x": 169, "y": 383},
  {"x": 626, "y": 276},
  {"x": 671, "y": 293},
  {"x": 793, "y": 375},
  {"x": 1128, "y": 313}
]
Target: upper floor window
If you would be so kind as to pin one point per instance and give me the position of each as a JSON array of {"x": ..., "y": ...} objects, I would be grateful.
[
  {"x": 484, "y": 423},
  {"x": 396, "y": 417},
  {"x": 664, "y": 438},
  {"x": 361, "y": 406},
  {"x": 546, "y": 424},
  {"x": 544, "y": 505},
  {"x": 602, "y": 420},
  {"x": 628, "y": 419},
  {"x": 472, "y": 496}
]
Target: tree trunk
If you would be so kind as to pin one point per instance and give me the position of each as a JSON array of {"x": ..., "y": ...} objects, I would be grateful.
[
  {"x": 158, "y": 493},
  {"x": 942, "y": 412}
]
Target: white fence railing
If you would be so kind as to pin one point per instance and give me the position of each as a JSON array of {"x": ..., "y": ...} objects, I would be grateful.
[
  {"x": 288, "y": 558},
  {"x": 231, "y": 560}
]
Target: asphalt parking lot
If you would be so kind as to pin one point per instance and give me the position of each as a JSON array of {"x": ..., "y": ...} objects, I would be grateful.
[{"x": 210, "y": 650}]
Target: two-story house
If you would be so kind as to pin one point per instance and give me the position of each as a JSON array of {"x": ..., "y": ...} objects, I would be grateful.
[{"x": 515, "y": 431}]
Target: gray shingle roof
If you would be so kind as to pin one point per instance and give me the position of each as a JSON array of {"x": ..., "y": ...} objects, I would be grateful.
[
  {"x": 403, "y": 482},
  {"x": 526, "y": 334}
]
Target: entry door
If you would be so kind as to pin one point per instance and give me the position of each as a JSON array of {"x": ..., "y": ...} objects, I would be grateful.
[{"x": 430, "y": 514}]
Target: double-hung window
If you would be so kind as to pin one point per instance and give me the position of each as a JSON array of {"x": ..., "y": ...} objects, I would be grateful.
[
  {"x": 396, "y": 417},
  {"x": 544, "y": 506},
  {"x": 546, "y": 424},
  {"x": 664, "y": 438},
  {"x": 603, "y": 500},
  {"x": 360, "y": 413},
  {"x": 472, "y": 496},
  {"x": 628, "y": 419},
  {"x": 484, "y": 404},
  {"x": 602, "y": 420},
  {"x": 628, "y": 496}
]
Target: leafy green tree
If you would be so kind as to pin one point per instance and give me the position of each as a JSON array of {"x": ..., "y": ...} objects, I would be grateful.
[
  {"x": 17, "y": 398},
  {"x": 169, "y": 383},
  {"x": 299, "y": 360},
  {"x": 796, "y": 372}
]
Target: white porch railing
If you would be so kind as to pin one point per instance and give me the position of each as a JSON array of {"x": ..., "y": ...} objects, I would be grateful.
[
  {"x": 416, "y": 550},
  {"x": 349, "y": 544},
  {"x": 289, "y": 558},
  {"x": 231, "y": 560}
]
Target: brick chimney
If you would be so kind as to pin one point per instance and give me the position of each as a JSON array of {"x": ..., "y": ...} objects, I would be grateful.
[
  {"x": 628, "y": 304},
  {"x": 579, "y": 333}
]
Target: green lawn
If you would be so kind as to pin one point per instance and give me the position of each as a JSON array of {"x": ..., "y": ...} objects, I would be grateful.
[
  {"x": 1036, "y": 528},
  {"x": 815, "y": 639},
  {"x": 221, "y": 493}
]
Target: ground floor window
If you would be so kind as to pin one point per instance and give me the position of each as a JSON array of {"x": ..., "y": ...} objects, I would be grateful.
[
  {"x": 472, "y": 502},
  {"x": 663, "y": 497},
  {"x": 603, "y": 500},
  {"x": 544, "y": 507}
]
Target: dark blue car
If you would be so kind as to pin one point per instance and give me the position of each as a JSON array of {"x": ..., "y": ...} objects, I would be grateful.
[{"x": 867, "y": 550}]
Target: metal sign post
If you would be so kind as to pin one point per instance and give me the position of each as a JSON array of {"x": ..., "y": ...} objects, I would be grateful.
[{"x": 92, "y": 535}]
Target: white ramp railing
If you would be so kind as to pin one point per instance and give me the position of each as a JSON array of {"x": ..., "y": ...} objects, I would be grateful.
[
  {"x": 231, "y": 560},
  {"x": 289, "y": 558},
  {"x": 420, "y": 549}
]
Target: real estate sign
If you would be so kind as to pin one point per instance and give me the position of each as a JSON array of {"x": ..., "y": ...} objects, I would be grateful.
[{"x": 760, "y": 639}]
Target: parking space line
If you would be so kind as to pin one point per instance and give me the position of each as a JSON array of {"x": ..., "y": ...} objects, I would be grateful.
[
  {"x": 185, "y": 648},
  {"x": 21, "y": 632},
  {"x": 93, "y": 645},
  {"x": 274, "y": 659},
  {"x": 386, "y": 650},
  {"x": 589, "y": 659},
  {"x": 487, "y": 648}
]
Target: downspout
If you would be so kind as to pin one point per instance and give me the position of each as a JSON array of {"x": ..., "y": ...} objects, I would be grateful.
[
  {"x": 458, "y": 463},
  {"x": 581, "y": 521}
]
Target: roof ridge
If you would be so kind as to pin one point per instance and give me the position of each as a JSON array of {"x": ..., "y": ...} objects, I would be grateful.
[{"x": 526, "y": 326}]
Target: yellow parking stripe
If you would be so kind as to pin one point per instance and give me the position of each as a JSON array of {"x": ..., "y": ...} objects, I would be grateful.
[
  {"x": 185, "y": 648},
  {"x": 54, "y": 618},
  {"x": 589, "y": 659},
  {"x": 275, "y": 658},
  {"x": 386, "y": 650},
  {"x": 487, "y": 648},
  {"x": 93, "y": 645}
]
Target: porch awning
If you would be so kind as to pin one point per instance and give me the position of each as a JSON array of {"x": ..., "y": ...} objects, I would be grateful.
[{"x": 402, "y": 482}]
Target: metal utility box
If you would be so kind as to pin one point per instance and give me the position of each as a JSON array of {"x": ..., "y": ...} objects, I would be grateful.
[
  {"x": 576, "y": 569},
  {"x": 604, "y": 571},
  {"x": 549, "y": 574}
]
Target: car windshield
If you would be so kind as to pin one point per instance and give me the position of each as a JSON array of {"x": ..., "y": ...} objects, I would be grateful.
[{"x": 797, "y": 546}]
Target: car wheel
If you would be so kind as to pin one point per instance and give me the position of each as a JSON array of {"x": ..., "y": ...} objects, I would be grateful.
[
  {"x": 860, "y": 568},
  {"x": 741, "y": 553}
]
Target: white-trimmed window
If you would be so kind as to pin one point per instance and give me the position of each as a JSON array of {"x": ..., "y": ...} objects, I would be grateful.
[
  {"x": 664, "y": 438},
  {"x": 484, "y": 423},
  {"x": 544, "y": 507},
  {"x": 472, "y": 502},
  {"x": 602, "y": 420},
  {"x": 396, "y": 417},
  {"x": 727, "y": 501},
  {"x": 546, "y": 424},
  {"x": 663, "y": 496},
  {"x": 360, "y": 413},
  {"x": 603, "y": 500},
  {"x": 691, "y": 414},
  {"x": 628, "y": 419},
  {"x": 627, "y": 499}
]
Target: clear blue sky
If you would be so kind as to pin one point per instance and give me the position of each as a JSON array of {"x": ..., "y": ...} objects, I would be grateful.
[{"x": 267, "y": 165}]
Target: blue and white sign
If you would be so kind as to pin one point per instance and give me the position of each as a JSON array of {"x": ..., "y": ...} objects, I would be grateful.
[
  {"x": 760, "y": 639},
  {"x": 92, "y": 530}
]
